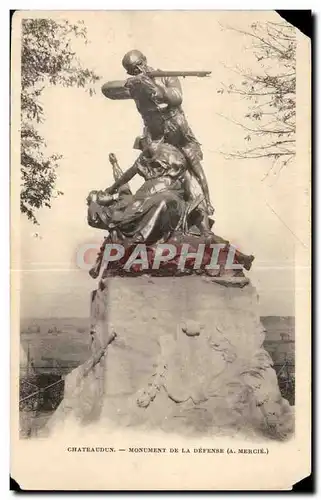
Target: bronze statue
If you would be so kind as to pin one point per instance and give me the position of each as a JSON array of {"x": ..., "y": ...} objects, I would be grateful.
[{"x": 158, "y": 100}]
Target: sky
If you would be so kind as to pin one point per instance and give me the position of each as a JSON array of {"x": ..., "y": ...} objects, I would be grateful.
[{"x": 260, "y": 216}]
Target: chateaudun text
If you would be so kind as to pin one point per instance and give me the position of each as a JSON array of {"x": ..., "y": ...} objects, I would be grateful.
[{"x": 200, "y": 450}]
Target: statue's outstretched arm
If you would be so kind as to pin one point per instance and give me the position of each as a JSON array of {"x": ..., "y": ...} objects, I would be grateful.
[{"x": 126, "y": 177}]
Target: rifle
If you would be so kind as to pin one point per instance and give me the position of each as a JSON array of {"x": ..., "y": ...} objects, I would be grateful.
[
  {"x": 116, "y": 89},
  {"x": 159, "y": 73}
]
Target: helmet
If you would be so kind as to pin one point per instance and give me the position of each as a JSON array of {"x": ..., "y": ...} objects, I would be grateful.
[{"x": 132, "y": 61}]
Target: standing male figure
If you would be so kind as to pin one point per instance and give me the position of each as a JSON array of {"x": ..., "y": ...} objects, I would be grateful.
[{"x": 158, "y": 100}]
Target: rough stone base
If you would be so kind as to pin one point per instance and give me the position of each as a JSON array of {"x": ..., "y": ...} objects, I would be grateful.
[{"x": 187, "y": 357}]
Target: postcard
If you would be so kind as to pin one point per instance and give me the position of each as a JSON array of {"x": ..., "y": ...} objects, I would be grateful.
[{"x": 160, "y": 251}]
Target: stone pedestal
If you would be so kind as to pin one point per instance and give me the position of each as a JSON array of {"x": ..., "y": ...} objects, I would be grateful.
[{"x": 187, "y": 357}]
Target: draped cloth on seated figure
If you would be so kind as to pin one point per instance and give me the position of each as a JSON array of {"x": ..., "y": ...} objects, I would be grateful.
[
  {"x": 159, "y": 102},
  {"x": 161, "y": 208}
]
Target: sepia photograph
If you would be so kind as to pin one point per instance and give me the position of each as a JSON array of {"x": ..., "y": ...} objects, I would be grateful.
[{"x": 160, "y": 264}]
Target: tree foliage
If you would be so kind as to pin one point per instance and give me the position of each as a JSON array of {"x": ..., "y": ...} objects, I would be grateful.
[
  {"x": 47, "y": 58},
  {"x": 270, "y": 90}
]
